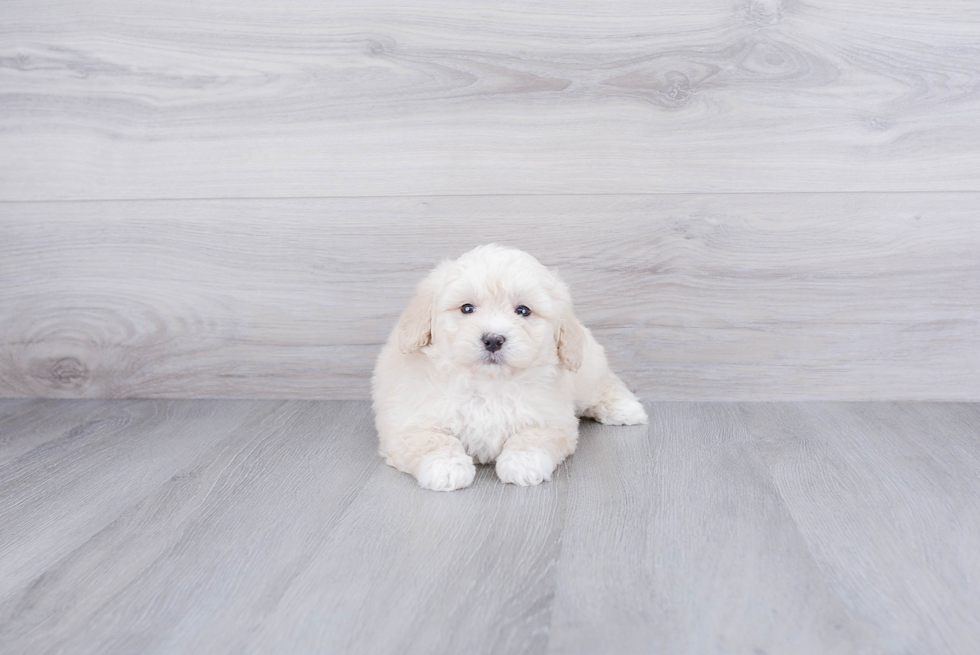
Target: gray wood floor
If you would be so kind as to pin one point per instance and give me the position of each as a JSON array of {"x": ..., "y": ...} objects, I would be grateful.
[{"x": 272, "y": 526}]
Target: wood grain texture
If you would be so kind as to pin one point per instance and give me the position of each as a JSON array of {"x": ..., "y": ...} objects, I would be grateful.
[
  {"x": 66, "y": 490},
  {"x": 37, "y": 422},
  {"x": 410, "y": 571},
  {"x": 191, "y": 566},
  {"x": 267, "y": 526},
  {"x": 676, "y": 541},
  {"x": 291, "y": 98},
  {"x": 742, "y": 296},
  {"x": 886, "y": 498}
]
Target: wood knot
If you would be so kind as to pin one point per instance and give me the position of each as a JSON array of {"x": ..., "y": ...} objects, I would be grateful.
[
  {"x": 761, "y": 13},
  {"x": 67, "y": 371},
  {"x": 676, "y": 91}
]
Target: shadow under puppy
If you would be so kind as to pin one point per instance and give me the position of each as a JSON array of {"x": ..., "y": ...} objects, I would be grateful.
[{"x": 489, "y": 362}]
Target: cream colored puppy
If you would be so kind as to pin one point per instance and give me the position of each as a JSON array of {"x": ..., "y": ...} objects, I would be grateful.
[{"x": 489, "y": 362}]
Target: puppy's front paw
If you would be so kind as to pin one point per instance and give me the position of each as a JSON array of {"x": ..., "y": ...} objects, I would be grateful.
[
  {"x": 524, "y": 467},
  {"x": 441, "y": 471}
]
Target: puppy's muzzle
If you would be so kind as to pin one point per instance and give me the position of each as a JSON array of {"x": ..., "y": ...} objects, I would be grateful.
[{"x": 493, "y": 342}]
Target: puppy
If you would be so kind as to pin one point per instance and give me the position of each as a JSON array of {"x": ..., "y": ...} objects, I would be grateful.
[{"x": 488, "y": 362}]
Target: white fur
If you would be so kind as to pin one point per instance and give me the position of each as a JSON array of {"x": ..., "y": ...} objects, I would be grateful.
[{"x": 441, "y": 400}]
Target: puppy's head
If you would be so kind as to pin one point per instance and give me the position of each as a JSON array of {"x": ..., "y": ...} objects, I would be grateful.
[{"x": 493, "y": 309}]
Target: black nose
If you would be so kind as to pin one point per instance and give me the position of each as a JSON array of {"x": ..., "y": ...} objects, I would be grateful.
[{"x": 493, "y": 342}]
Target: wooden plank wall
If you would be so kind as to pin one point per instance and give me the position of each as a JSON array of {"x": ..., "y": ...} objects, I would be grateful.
[{"x": 750, "y": 200}]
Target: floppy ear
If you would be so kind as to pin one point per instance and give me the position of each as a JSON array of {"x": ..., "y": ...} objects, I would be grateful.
[
  {"x": 415, "y": 323},
  {"x": 570, "y": 334},
  {"x": 571, "y": 341}
]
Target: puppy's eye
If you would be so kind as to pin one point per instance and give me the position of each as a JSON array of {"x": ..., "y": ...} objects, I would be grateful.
[
  {"x": 467, "y": 308},
  {"x": 523, "y": 311}
]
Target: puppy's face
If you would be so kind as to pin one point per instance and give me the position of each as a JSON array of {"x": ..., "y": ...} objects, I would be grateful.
[
  {"x": 493, "y": 310},
  {"x": 491, "y": 318}
]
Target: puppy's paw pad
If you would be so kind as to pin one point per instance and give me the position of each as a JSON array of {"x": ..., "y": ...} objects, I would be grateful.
[
  {"x": 442, "y": 472},
  {"x": 524, "y": 467}
]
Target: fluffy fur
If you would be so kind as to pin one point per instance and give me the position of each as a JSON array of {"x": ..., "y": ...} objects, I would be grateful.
[{"x": 442, "y": 399}]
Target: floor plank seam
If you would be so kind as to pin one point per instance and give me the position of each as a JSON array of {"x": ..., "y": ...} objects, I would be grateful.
[
  {"x": 566, "y": 465},
  {"x": 904, "y": 192}
]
